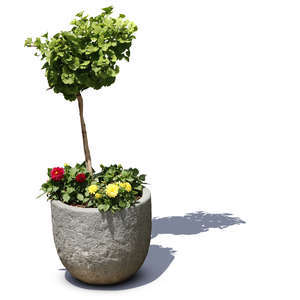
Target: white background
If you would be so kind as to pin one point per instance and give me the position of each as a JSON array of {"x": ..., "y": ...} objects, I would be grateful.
[{"x": 208, "y": 108}]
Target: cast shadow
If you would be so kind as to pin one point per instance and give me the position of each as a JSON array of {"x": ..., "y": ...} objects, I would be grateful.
[
  {"x": 192, "y": 223},
  {"x": 159, "y": 258}
]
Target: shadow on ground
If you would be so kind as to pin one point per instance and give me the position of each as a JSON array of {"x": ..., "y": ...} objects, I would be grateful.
[
  {"x": 192, "y": 223},
  {"x": 159, "y": 258}
]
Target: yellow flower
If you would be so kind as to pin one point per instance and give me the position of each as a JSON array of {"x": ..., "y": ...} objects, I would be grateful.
[
  {"x": 66, "y": 165},
  {"x": 126, "y": 186},
  {"x": 98, "y": 196},
  {"x": 112, "y": 190},
  {"x": 92, "y": 189}
]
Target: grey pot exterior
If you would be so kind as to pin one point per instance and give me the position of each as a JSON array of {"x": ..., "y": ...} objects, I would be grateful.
[{"x": 102, "y": 247}]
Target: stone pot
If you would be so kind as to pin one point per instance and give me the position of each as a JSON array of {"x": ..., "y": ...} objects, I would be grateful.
[{"x": 102, "y": 247}]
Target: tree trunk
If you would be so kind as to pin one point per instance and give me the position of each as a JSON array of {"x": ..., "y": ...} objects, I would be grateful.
[{"x": 86, "y": 148}]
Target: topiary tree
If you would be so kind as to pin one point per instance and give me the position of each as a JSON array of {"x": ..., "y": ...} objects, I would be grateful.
[{"x": 85, "y": 57}]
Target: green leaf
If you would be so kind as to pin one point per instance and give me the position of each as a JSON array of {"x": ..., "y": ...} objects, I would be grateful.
[
  {"x": 85, "y": 200},
  {"x": 84, "y": 64},
  {"x": 37, "y": 43},
  {"x": 80, "y": 197},
  {"x": 115, "y": 208},
  {"x": 70, "y": 189},
  {"x": 73, "y": 172},
  {"x": 67, "y": 78},
  {"x": 108, "y": 10},
  {"x": 54, "y": 197},
  {"x": 66, "y": 197},
  {"x": 130, "y": 179},
  {"x": 55, "y": 188},
  {"x": 75, "y": 64},
  {"x": 142, "y": 177},
  {"x": 45, "y": 186},
  {"x": 39, "y": 196},
  {"x": 103, "y": 207},
  {"x": 80, "y": 14},
  {"x": 28, "y": 42},
  {"x": 139, "y": 188},
  {"x": 97, "y": 28},
  {"x": 91, "y": 49},
  {"x": 74, "y": 22},
  {"x": 96, "y": 68},
  {"x": 105, "y": 46},
  {"x": 122, "y": 204}
]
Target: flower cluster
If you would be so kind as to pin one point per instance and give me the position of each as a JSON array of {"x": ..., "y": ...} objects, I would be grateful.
[
  {"x": 113, "y": 188},
  {"x": 114, "y": 195}
]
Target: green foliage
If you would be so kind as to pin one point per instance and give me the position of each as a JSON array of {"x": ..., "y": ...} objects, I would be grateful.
[
  {"x": 114, "y": 188},
  {"x": 116, "y": 173},
  {"x": 130, "y": 187},
  {"x": 67, "y": 189},
  {"x": 87, "y": 55}
]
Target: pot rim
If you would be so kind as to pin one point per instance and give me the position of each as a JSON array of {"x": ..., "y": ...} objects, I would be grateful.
[{"x": 145, "y": 197}]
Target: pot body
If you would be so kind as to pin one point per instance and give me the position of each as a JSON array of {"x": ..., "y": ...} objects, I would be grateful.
[{"x": 102, "y": 247}]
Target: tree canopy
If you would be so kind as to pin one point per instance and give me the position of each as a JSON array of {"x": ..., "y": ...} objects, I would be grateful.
[{"x": 87, "y": 55}]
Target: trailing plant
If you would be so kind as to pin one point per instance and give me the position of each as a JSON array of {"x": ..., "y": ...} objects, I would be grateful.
[
  {"x": 85, "y": 57},
  {"x": 112, "y": 189}
]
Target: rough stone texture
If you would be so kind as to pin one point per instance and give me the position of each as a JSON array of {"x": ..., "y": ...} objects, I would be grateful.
[{"x": 101, "y": 247}]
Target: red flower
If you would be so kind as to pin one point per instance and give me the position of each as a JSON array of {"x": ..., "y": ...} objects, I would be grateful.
[
  {"x": 57, "y": 174},
  {"x": 80, "y": 177}
]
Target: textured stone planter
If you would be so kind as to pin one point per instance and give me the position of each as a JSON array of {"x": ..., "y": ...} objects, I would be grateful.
[{"x": 102, "y": 247}]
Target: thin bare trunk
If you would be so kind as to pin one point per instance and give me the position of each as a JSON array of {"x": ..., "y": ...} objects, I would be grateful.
[{"x": 86, "y": 148}]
